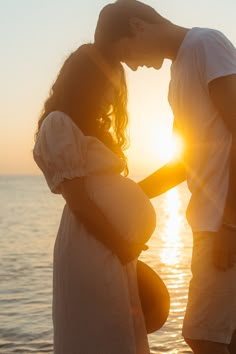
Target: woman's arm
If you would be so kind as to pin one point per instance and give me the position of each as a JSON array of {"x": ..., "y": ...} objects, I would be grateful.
[{"x": 75, "y": 193}]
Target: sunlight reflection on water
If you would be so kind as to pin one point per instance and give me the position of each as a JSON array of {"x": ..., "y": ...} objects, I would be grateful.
[
  {"x": 172, "y": 245},
  {"x": 170, "y": 255}
]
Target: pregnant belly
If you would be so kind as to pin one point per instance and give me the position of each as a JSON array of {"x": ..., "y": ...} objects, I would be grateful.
[{"x": 125, "y": 205}]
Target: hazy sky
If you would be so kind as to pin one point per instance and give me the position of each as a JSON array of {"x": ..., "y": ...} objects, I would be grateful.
[{"x": 36, "y": 36}]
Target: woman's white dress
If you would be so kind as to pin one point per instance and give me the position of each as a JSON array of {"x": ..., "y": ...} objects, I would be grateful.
[{"x": 96, "y": 306}]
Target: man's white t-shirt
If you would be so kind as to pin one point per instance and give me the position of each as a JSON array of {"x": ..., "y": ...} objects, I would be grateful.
[{"x": 204, "y": 55}]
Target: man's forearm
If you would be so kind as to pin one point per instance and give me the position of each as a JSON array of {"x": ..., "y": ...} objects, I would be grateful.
[{"x": 165, "y": 178}]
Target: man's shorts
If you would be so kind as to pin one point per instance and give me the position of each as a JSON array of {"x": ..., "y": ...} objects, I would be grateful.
[{"x": 211, "y": 308}]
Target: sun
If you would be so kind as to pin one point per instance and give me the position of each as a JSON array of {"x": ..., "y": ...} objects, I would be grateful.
[
  {"x": 167, "y": 148},
  {"x": 153, "y": 145}
]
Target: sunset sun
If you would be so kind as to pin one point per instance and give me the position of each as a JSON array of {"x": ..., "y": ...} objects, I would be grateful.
[{"x": 167, "y": 148}]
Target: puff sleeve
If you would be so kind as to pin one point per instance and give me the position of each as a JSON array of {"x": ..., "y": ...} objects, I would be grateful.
[{"x": 60, "y": 150}]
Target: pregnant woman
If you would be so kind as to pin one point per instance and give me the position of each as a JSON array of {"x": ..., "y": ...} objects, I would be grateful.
[{"x": 107, "y": 218}]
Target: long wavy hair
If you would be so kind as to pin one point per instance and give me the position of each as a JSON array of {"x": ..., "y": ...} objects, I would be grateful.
[{"x": 80, "y": 90}]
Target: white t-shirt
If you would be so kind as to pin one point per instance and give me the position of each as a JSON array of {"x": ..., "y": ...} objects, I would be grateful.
[{"x": 204, "y": 55}]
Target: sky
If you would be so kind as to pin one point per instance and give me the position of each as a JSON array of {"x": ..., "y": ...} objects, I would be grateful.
[{"x": 36, "y": 37}]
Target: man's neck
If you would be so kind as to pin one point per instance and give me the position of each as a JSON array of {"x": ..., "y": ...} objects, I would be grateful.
[{"x": 176, "y": 36}]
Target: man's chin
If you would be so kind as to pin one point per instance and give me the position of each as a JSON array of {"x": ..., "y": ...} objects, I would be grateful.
[
  {"x": 134, "y": 67},
  {"x": 158, "y": 66},
  {"x": 155, "y": 66}
]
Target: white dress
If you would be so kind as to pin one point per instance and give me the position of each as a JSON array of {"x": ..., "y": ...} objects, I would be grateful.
[{"x": 96, "y": 306}]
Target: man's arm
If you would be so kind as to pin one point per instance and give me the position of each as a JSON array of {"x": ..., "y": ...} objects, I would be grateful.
[
  {"x": 223, "y": 95},
  {"x": 165, "y": 178}
]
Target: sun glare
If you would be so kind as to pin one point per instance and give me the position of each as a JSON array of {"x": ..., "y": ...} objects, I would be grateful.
[
  {"x": 166, "y": 148},
  {"x": 177, "y": 146}
]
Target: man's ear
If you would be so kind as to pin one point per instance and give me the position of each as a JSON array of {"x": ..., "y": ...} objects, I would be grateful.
[{"x": 136, "y": 25}]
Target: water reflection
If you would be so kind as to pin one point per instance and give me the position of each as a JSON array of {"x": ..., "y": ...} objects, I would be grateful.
[
  {"x": 170, "y": 253},
  {"x": 170, "y": 235}
]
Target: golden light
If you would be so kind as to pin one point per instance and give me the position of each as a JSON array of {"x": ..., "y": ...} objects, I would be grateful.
[
  {"x": 177, "y": 146},
  {"x": 165, "y": 148}
]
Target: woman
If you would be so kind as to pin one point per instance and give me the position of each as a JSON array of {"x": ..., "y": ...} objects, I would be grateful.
[{"x": 107, "y": 218}]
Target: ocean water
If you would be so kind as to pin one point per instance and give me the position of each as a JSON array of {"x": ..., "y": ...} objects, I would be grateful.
[{"x": 29, "y": 218}]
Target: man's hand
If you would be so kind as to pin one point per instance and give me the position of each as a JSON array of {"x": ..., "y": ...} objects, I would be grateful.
[{"x": 224, "y": 249}]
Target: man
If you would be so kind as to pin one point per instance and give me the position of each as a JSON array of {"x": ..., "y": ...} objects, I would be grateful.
[{"x": 202, "y": 94}]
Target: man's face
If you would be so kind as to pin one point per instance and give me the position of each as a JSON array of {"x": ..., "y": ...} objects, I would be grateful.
[{"x": 137, "y": 51}]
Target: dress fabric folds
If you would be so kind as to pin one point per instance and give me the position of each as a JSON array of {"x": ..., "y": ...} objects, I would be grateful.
[{"x": 96, "y": 306}]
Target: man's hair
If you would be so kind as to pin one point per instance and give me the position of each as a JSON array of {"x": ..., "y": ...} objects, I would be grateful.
[{"x": 114, "y": 21}]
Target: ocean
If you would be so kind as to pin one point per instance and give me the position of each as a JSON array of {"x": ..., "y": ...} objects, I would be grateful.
[{"x": 29, "y": 218}]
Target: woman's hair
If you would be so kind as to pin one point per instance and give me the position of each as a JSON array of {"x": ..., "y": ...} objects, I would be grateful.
[
  {"x": 80, "y": 91},
  {"x": 114, "y": 21}
]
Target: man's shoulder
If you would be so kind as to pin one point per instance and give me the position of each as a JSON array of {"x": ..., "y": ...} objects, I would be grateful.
[{"x": 201, "y": 36}]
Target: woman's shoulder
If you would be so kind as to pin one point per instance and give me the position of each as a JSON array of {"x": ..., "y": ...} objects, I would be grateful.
[
  {"x": 57, "y": 119},
  {"x": 60, "y": 123}
]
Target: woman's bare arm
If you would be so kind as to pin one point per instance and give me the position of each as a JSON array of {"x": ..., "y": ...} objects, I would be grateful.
[{"x": 75, "y": 193}]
